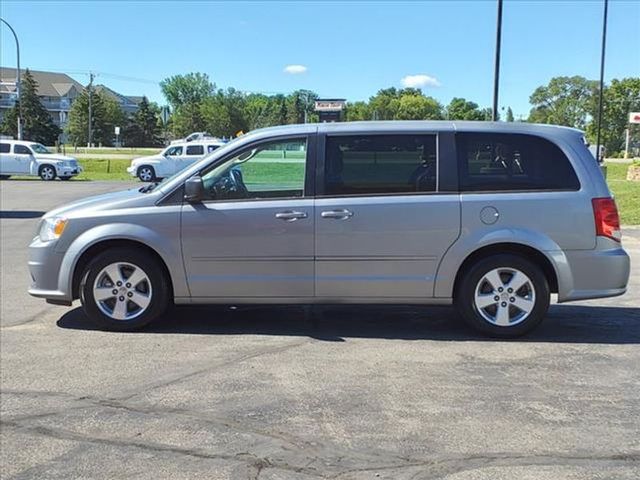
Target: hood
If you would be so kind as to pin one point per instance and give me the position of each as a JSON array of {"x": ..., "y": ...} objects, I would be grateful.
[
  {"x": 107, "y": 201},
  {"x": 148, "y": 158},
  {"x": 54, "y": 156}
]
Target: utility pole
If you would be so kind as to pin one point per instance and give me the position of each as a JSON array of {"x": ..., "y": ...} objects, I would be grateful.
[
  {"x": 17, "y": 77},
  {"x": 600, "y": 102},
  {"x": 90, "y": 87},
  {"x": 496, "y": 73}
]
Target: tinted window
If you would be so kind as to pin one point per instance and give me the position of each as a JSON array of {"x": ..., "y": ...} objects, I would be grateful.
[
  {"x": 21, "y": 149},
  {"x": 5, "y": 148},
  {"x": 195, "y": 150},
  {"x": 380, "y": 164},
  {"x": 490, "y": 162},
  {"x": 268, "y": 170},
  {"x": 211, "y": 148}
]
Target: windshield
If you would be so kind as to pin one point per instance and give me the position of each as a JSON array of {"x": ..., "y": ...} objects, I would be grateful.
[{"x": 39, "y": 148}]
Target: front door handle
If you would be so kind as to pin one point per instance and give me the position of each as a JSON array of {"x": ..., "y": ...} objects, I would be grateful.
[
  {"x": 342, "y": 214},
  {"x": 290, "y": 216}
]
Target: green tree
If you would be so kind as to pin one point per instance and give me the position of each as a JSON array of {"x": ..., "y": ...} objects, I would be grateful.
[
  {"x": 620, "y": 98},
  {"x": 358, "y": 111},
  {"x": 565, "y": 101},
  {"x": 37, "y": 124},
  {"x": 418, "y": 107},
  {"x": 106, "y": 114},
  {"x": 300, "y": 106},
  {"x": 188, "y": 89},
  {"x": 462, "y": 109},
  {"x": 509, "y": 115},
  {"x": 143, "y": 127}
]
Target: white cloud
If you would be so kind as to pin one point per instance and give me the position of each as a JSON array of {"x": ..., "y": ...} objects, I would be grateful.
[
  {"x": 295, "y": 69},
  {"x": 419, "y": 81}
]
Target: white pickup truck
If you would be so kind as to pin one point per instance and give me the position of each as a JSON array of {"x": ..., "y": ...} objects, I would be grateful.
[
  {"x": 18, "y": 157},
  {"x": 172, "y": 159}
]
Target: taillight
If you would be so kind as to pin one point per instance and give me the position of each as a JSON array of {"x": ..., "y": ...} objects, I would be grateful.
[{"x": 605, "y": 214}]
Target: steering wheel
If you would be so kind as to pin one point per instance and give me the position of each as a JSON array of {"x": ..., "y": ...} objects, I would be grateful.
[{"x": 230, "y": 186}]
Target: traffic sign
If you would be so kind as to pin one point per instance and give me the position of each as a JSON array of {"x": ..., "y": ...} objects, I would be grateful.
[{"x": 634, "y": 117}]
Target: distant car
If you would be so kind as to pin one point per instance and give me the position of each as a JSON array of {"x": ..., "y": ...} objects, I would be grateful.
[
  {"x": 19, "y": 157},
  {"x": 195, "y": 136},
  {"x": 172, "y": 159}
]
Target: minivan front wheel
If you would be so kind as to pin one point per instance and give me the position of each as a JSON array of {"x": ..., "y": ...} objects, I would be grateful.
[
  {"x": 124, "y": 290},
  {"x": 503, "y": 295}
]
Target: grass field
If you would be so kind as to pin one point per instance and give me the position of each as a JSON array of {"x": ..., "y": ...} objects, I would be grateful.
[{"x": 626, "y": 192}]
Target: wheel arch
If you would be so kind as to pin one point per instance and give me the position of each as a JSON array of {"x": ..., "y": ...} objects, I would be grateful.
[
  {"x": 97, "y": 248},
  {"x": 525, "y": 251}
]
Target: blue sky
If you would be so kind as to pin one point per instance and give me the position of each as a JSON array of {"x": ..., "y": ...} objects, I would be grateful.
[{"x": 348, "y": 49}]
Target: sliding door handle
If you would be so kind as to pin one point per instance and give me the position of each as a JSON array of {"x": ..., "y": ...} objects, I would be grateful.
[{"x": 341, "y": 214}]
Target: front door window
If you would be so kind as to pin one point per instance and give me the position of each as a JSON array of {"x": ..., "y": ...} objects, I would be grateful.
[{"x": 269, "y": 170}]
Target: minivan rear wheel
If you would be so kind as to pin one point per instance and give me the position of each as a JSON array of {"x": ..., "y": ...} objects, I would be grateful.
[
  {"x": 124, "y": 289},
  {"x": 503, "y": 295}
]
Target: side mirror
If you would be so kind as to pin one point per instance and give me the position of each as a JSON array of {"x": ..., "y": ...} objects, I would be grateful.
[{"x": 194, "y": 189}]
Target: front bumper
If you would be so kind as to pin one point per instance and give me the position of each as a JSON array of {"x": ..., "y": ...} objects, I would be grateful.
[
  {"x": 44, "y": 267},
  {"x": 68, "y": 171},
  {"x": 133, "y": 171}
]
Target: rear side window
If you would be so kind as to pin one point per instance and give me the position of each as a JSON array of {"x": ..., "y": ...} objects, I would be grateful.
[
  {"x": 508, "y": 162},
  {"x": 211, "y": 148},
  {"x": 380, "y": 164},
  {"x": 195, "y": 150},
  {"x": 5, "y": 148},
  {"x": 21, "y": 149}
]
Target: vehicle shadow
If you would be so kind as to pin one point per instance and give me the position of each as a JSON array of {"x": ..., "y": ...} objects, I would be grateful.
[
  {"x": 565, "y": 323},
  {"x": 21, "y": 214}
]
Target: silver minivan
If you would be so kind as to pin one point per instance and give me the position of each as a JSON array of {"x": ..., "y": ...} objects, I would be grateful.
[{"x": 490, "y": 217}]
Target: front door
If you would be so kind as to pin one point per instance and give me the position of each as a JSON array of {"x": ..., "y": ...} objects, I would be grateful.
[
  {"x": 22, "y": 158},
  {"x": 381, "y": 224},
  {"x": 252, "y": 237}
]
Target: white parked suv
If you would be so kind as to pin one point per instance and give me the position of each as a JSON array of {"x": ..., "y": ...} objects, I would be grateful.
[
  {"x": 172, "y": 159},
  {"x": 18, "y": 157}
]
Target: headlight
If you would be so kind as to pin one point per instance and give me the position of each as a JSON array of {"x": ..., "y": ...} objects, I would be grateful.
[{"x": 52, "y": 228}]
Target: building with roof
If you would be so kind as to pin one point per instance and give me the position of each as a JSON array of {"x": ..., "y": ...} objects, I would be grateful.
[{"x": 57, "y": 91}]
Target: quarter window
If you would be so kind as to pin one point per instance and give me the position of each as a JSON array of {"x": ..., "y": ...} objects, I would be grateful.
[
  {"x": 268, "y": 170},
  {"x": 380, "y": 164},
  {"x": 195, "y": 150},
  {"x": 5, "y": 148},
  {"x": 21, "y": 149},
  {"x": 512, "y": 162}
]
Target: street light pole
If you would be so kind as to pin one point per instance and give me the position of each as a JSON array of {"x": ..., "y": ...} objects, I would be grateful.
[
  {"x": 18, "y": 77},
  {"x": 496, "y": 73},
  {"x": 600, "y": 102}
]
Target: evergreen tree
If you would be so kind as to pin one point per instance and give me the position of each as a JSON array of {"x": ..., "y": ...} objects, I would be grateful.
[
  {"x": 37, "y": 125},
  {"x": 106, "y": 114},
  {"x": 143, "y": 128}
]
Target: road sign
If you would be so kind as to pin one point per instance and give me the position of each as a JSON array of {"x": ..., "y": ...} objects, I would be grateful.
[
  {"x": 117, "y": 129},
  {"x": 634, "y": 117}
]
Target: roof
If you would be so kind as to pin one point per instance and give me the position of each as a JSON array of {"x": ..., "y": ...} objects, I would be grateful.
[
  {"x": 118, "y": 97},
  {"x": 417, "y": 126},
  {"x": 50, "y": 84}
]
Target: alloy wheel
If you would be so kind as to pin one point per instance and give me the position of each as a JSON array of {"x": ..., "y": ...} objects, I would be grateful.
[
  {"x": 505, "y": 297},
  {"x": 122, "y": 291}
]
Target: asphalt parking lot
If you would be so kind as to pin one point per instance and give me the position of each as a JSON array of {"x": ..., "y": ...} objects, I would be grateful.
[{"x": 352, "y": 393}]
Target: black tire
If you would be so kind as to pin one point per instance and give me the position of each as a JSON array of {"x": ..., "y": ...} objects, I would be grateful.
[
  {"x": 65, "y": 178},
  {"x": 146, "y": 173},
  {"x": 47, "y": 172},
  {"x": 465, "y": 295},
  {"x": 160, "y": 290}
]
